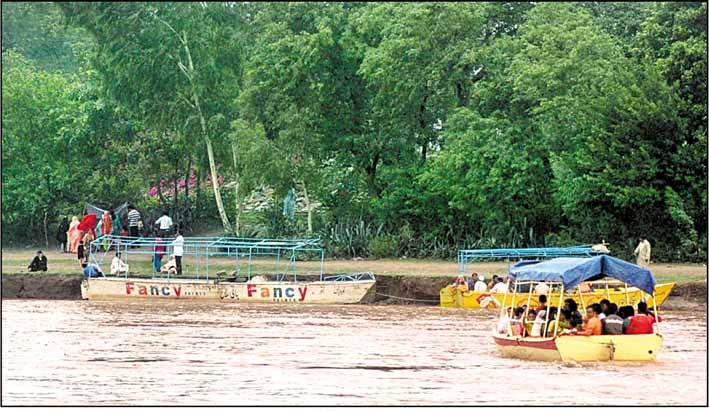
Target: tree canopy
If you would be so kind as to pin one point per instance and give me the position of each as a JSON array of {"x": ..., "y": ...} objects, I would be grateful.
[{"x": 404, "y": 128}]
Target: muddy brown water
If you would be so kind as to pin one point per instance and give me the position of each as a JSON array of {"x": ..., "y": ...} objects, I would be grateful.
[{"x": 167, "y": 353}]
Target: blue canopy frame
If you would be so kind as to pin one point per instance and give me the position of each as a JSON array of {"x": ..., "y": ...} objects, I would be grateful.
[{"x": 572, "y": 271}]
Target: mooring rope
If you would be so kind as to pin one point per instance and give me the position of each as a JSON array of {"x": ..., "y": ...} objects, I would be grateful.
[{"x": 407, "y": 299}]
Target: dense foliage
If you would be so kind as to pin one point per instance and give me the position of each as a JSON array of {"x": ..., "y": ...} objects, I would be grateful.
[{"x": 419, "y": 128}]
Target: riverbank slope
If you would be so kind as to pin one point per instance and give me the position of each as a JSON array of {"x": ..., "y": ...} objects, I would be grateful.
[{"x": 390, "y": 289}]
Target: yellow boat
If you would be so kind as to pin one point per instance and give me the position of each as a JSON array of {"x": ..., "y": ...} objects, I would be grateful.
[
  {"x": 453, "y": 298},
  {"x": 579, "y": 348},
  {"x": 567, "y": 274}
]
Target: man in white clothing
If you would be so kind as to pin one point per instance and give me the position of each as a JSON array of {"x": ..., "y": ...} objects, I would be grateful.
[
  {"x": 500, "y": 287},
  {"x": 118, "y": 266},
  {"x": 178, "y": 250},
  {"x": 164, "y": 224},
  {"x": 480, "y": 284},
  {"x": 541, "y": 289}
]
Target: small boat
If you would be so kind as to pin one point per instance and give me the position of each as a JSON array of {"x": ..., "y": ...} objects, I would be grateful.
[
  {"x": 284, "y": 286},
  {"x": 567, "y": 273},
  {"x": 617, "y": 293}
]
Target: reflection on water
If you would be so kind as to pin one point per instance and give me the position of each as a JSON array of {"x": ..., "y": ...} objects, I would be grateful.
[{"x": 168, "y": 353}]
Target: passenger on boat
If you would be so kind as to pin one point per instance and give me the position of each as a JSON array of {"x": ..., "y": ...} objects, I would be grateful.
[
  {"x": 117, "y": 265},
  {"x": 612, "y": 323},
  {"x": 604, "y": 307},
  {"x": 480, "y": 284},
  {"x": 516, "y": 322},
  {"x": 555, "y": 325},
  {"x": 504, "y": 323},
  {"x": 593, "y": 325},
  {"x": 459, "y": 285},
  {"x": 626, "y": 312},
  {"x": 542, "y": 306},
  {"x": 572, "y": 307},
  {"x": 538, "y": 324},
  {"x": 574, "y": 325},
  {"x": 492, "y": 282},
  {"x": 542, "y": 289},
  {"x": 642, "y": 322},
  {"x": 470, "y": 283},
  {"x": 91, "y": 270},
  {"x": 500, "y": 287},
  {"x": 529, "y": 322}
]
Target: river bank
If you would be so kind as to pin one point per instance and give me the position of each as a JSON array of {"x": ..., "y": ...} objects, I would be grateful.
[{"x": 389, "y": 290}]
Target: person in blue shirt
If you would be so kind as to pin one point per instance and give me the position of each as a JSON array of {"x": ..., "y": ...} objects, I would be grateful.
[{"x": 91, "y": 270}]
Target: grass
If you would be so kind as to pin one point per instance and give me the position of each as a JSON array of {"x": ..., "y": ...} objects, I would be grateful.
[{"x": 15, "y": 261}]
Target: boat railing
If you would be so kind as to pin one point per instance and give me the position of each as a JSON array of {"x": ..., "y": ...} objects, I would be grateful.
[
  {"x": 472, "y": 255},
  {"x": 286, "y": 252}
]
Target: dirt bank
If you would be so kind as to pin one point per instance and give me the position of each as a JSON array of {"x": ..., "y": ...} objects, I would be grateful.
[
  {"x": 390, "y": 289},
  {"x": 42, "y": 286}
]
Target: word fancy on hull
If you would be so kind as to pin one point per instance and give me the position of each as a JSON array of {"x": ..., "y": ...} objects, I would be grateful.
[{"x": 276, "y": 282}]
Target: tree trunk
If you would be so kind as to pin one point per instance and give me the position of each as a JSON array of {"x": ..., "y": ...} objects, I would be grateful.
[
  {"x": 207, "y": 140},
  {"x": 307, "y": 206},
  {"x": 46, "y": 237},
  {"x": 237, "y": 200}
]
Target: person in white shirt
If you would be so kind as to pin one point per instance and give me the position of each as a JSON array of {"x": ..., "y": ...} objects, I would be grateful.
[
  {"x": 480, "y": 284},
  {"x": 118, "y": 266},
  {"x": 541, "y": 289},
  {"x": 500, "y": 287},
  {"x": 178, "y": 250},
  {"x": 504, "y": 323},
  {"x": 164, "y": 224}
]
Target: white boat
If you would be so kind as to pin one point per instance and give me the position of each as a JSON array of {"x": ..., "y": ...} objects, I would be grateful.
[{"x": 243, "y": 287}]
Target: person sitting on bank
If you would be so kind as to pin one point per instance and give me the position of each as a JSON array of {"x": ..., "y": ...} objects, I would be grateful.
[
  {"x": 91, "y": 270},
  {"x": 480, "y": 285},
  {"x": 170, "y": 266},
  {"x": 500, "y": 287},
  {"x": 39, "y": 262},
  {"x": 612, "y": 323},
  {"x": 118, "y": 266},
  {"x": 593, "y": 325},
  {"x": 642, "y": 322}
]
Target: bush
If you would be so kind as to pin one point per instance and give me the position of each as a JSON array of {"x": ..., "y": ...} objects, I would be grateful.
[{"x": 384, "y": 246}]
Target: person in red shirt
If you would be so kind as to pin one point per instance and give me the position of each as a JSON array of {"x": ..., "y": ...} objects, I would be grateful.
[
  {"x": 641, "y": 323},
  {"x": 593, "y": 325}
]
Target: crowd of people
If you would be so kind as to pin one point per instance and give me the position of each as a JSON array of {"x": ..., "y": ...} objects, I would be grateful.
[
  {"x": 76, "y": 237},
  {"x": 604, "y": 318}
]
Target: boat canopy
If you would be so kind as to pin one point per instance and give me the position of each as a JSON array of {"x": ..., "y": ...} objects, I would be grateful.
[{"x": 572, "y": 271}]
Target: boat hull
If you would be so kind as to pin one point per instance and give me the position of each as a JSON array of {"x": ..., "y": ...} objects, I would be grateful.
[
  {"x": 570, "y": 348},
  {"x": 476, "y": 299},
  {"x": 314, "y": 292}
]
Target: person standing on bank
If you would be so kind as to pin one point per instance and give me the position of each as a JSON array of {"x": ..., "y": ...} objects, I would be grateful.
[
  {"x": 642, "y": 251},
  {"x": 178, "y": 250},
  {"x": 164, "y": 224},
  {"x": 61, "y": 235},
  {"x": 133, "y": 220}
]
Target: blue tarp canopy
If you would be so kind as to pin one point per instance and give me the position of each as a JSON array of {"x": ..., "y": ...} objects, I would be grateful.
[{"x": 572, "y": 271}]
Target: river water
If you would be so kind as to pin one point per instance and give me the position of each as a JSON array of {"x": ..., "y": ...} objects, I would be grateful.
[{"x": 185, "y": 353}]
